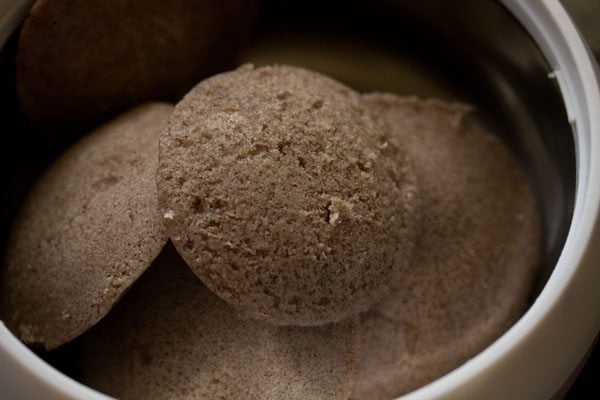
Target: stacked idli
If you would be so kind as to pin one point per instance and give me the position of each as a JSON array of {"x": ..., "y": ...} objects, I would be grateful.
[
  {"x": 304, "y": 219},
  {"x": 88, "y": 229}
]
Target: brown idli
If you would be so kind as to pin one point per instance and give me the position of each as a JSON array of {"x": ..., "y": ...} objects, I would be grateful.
[
  {"x": 276, "y": 195},
  {"x": 86, "y": 232},
  {"x": 475, "y": 259},
  {"x": 172, "y": 338},
  {"x": 79, "y": 62}
]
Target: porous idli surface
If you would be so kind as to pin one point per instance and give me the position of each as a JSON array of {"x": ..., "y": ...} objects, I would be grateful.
[
  {"x": 277, "y": 195},
  {"x": 88, "y": 229},
  {"x": 172, "y": 338},
  {"x": 475, "y": 259}
]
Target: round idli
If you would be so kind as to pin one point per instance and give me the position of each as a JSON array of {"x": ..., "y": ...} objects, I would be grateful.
[
  {"x": 475, "y": 259},
  {"x": 277, "y": 196},
  {"x": 88, "y": 229},
  {"x": 80, "y": 62}
]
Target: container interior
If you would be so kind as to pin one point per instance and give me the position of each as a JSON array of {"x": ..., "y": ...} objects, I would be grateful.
[{"x": 475, "y": 52}]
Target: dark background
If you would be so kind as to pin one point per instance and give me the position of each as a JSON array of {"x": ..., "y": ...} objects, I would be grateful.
[
  {"x": 586, "y": 14},
  {"x": 587, "y": 385}
]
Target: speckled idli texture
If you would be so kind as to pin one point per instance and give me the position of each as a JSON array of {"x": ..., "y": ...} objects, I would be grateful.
[
  {"x": 277, "y": 195},
  {"x": 86, "y": 232},
  {"x": 172, "y": 338},
  {"x": 475, "y": 259}
]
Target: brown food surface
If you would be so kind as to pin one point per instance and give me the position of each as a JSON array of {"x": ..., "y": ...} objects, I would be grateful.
[
  {"x": 278, "y": 197},
  {"x": 475, "y": 259},
  {"x": 171, "y": 338},
  {"x": 80, "y": 62},
  {"x": 88, "y": 229}
]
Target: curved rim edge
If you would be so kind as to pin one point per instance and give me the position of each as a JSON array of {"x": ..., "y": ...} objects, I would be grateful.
[
  {"x": 470, "y": 379},
  {"x": 533, "y": 350},
  {"x": 51, "y": 383}
]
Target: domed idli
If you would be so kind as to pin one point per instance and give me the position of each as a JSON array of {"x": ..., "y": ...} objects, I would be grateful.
[{"x": 276, "y": 194}]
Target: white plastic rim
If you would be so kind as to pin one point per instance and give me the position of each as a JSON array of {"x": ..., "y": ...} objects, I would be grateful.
[
  {"x": 23, "y": 375},
  {"x": 535, "y": 357}
]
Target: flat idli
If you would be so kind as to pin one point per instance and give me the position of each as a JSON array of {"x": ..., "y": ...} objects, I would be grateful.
[
  {"x": 79, "y": 62},
  {"x": 88, "y": 229},
  {"x": 474, "y": 261},
  {"x": 277, "y": 196},
  {"x": 172, "y": 338}
]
